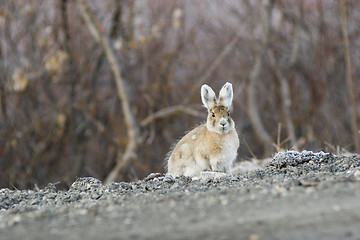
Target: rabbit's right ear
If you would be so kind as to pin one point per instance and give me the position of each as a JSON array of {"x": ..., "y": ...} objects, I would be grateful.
[
  {"x": 226, "y": 95},
  {"x": 208, "y": 96}
]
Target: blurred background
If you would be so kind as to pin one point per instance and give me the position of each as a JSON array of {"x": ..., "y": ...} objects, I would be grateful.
[{"x": 65, "y": 111}]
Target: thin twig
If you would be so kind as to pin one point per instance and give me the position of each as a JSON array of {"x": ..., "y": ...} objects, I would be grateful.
[
  {"x": 166, "y": 112},
  {"x": 249, "y": 149},
  {"x": 220, "y": 58},
  {"x": 278, "y": 146},
  {"x": 285, "y": 100}
]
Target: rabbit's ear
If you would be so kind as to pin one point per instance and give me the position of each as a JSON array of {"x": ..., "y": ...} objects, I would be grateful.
[
  {"x": 208, "y": 96},
  {"x": 226, "y": 95}
]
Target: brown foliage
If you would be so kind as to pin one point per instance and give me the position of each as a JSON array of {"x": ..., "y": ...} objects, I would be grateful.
[{"x": 61, "y": 116}]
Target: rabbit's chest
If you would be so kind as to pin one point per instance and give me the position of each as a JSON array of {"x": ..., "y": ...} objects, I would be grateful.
[{"x": 224, "y": 145}]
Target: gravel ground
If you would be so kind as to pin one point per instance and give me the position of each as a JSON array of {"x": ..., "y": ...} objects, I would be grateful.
[{"x": 296, "y": 196}]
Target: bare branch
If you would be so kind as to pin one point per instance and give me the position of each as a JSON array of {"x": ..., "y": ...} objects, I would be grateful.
[
  {"x": 130, "y": 121},
  {"x": 285, "y": 99},
  {"x": 348, "y": 75},
  {"x": 166, "y": 112},
  {"x": 284, "y": 85},
  {"x": 253, "y": 110}
]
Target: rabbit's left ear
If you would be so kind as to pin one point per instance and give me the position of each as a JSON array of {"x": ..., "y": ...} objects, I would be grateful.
[{"x": 226, "y": 95}]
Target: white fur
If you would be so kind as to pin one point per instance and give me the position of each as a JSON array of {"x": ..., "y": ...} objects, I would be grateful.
[
  {"x": 207, "y": 96},
  {"x": 211, "y": 146},
  {"x": 226, "y": 95}
]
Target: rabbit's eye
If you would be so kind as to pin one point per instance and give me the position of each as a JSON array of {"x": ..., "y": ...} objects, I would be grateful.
[
  {"x": 213, "y": 114},
  {"x": 228, "y": 113}
]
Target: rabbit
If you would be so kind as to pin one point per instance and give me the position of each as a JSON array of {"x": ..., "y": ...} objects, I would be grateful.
[{"x": 211, "y": 146}]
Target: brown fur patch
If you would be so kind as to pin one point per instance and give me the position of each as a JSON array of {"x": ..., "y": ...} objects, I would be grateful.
[
  {"x": 205, "y": 156},
  {"x": 213, "y": 122},
  {"x": 220, "y": 111}
]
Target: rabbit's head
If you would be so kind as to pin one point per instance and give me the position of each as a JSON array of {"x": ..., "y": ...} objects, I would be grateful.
[{"x": 218, "y": 119}]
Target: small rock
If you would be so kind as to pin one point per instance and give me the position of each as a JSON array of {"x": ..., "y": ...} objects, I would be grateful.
[
  {"x": 127, "y": 221},
  {"x": 280, "y": 190},
  {"x": 169, "y": 178},
  {"x": 212, "y": 175},
  {"x": 14, "y": 220},
  {"x": 195, "y": 178},
  {"x": 152, "y": 176},
  {"x": 336, "y": 208},
  {"x": 50, "y": 187},
  {"x": 235, "y": 178},
  {"x": 253, "y": 237}
]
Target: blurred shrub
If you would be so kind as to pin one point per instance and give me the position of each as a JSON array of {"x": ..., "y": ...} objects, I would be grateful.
[{"x": 60, "y": 114}]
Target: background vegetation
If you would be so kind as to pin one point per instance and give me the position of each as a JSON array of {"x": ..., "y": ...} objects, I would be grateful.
[{"x": 104, "y": 88}]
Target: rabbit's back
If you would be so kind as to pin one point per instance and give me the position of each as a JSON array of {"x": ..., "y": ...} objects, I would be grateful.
[{"x": 181, "y": 160}]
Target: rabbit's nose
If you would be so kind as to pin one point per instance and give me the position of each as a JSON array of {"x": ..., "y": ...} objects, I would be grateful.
[{"x": 223, "y": 124}]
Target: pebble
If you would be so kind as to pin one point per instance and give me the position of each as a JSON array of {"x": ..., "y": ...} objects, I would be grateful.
[
  {"x": 213, "y": 175},
  {"x": 253, "y": 237}
]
